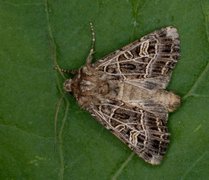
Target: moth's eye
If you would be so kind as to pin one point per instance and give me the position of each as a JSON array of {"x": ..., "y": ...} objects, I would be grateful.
[{"x": 67, "y": 85}]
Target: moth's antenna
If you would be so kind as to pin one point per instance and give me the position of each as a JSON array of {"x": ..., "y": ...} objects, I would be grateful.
[
  {"x": 89, "y": 58},
  {"x": 66, "y": 71},
  {"x": 93, "y": 37}
]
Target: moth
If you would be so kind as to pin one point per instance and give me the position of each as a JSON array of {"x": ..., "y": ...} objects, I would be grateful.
[{"x": 126, "y": 91}]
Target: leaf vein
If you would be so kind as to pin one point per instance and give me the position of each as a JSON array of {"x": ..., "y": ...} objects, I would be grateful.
[
  {"x": 123, "y": 165},
  {"x": 196, "y": 83}
]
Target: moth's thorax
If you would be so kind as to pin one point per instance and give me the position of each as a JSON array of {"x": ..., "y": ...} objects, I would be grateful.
[{"x": 91, "y": 87}]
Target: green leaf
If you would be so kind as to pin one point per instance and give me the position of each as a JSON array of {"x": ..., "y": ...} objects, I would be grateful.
[{"x": 35, "y": 35}]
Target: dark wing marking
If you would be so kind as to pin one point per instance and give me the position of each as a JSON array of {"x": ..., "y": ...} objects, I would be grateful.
[
  {"x": 150, "y": 58},
  {"x": 143, "y": 131}
]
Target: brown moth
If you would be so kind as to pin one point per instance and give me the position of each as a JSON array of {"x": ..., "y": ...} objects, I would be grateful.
[{"x": 125, "y": 91}]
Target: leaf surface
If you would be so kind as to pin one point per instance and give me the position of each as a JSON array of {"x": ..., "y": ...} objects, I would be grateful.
[{"x": 37, "y": 35}]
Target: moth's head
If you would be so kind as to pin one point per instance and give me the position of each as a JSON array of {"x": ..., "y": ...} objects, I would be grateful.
[{"x": 68, "y": 85}]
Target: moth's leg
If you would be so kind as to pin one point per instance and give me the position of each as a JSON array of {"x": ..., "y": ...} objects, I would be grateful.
[
  {"x": 89, "y": 58},
  {"x": 67, "y": 71}
]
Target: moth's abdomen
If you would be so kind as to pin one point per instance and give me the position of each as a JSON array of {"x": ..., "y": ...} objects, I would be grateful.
[{"x": 170, "y": 100}]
